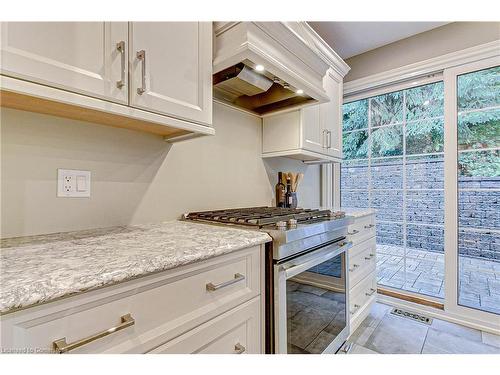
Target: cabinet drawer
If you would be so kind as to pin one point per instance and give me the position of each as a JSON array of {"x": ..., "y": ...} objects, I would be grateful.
[
  {"x": 363, "y": 262},
  {"x": 362, "y": 229},
  {"x": 163, "y": 306},
  {"x": 234, "y": 332},
  {"x": 362, "y": 293}
]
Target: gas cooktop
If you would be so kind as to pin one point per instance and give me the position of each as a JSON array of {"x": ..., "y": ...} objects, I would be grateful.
[
  {"x": 293, "y": 230},
  {"x": 265, "y": 216}
]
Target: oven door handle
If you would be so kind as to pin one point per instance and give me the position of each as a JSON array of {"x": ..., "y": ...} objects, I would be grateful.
[{"x": 301, "y": 264}]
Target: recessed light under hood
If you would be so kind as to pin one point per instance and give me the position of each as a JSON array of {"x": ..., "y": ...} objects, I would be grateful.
[{"x": 260, "y": 92}]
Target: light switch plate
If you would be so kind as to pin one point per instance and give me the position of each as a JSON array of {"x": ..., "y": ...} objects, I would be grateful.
[{"x": 73, "y": 183}]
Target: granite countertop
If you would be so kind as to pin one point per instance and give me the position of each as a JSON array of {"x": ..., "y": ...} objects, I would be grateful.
[
  {"x": 358, "y": 212},
  {"x": 39, "y": 269}
]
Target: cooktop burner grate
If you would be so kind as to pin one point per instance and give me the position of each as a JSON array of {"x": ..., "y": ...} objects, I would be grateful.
[{"x": 259, "y": 216}]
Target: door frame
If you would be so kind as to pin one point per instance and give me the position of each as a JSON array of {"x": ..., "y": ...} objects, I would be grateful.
[{"x": 451, "y": 196}]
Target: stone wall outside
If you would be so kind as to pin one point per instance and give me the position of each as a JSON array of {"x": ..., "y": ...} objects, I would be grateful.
[{"x": 479, "y": 204}]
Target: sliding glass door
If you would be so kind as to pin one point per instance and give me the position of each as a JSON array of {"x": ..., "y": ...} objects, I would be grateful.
[
  {"x": 473, "y": 182},
  {"x": 393, "y": 151},
  {"x": 427, "y": 158}
]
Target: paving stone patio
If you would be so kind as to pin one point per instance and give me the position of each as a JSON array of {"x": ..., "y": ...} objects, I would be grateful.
[{"x": 424, "y": 274}]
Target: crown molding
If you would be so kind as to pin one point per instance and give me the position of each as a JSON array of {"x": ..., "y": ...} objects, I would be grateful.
[
  {"x": 422, "y": 68},
  {"x": 324, "y": 50}
]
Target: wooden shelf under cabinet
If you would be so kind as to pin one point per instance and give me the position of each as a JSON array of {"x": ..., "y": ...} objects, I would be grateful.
[{"x": 23, "y": 102}]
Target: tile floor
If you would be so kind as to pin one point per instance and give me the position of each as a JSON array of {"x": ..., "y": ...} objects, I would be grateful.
[
  {"x": 384, "y": 333},
  {"x": 479, "y": 279}
]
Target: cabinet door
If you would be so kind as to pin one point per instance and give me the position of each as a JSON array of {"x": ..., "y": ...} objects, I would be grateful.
[
  {"x": 171, "y": 69},
  {"x": 81, "y": 57},
  {"x": 313, "y": 137},
  {"x": 237, "y": 331},
  {"x": 331, "y": 114}
]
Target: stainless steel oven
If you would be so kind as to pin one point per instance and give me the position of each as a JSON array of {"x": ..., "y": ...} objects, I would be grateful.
[
  {"x": 311, "y": 300},
  {"x": 305, "y": 274}
]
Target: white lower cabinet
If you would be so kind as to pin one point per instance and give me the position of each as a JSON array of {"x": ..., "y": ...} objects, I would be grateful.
[
  {"x": 362, "y": 268},
  {"x": 210, "y": 306},
  {"x": 234, "y": 332}
]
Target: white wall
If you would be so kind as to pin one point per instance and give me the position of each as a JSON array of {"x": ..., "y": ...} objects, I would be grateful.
[
  {"x": 136, "y": 177},
  {"x": 436, "y": 42}
]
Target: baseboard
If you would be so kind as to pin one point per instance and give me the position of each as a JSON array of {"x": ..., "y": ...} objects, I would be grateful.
[{"x": 410, "y": 298}]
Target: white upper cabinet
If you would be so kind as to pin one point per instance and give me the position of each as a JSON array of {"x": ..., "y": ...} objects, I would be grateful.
[
  {"x": 171, "y": 69},
  {"x": 313, "y": 137},
  {"x": 82, "y": 57},
  {"x": 311, "y": 133},
  {"x": 331, "y": 115}
]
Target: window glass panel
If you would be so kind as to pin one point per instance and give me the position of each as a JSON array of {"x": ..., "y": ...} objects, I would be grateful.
[
  {"x": 355, "y": 115},
  {"x": 425, "y": 172},
  {"x": 355, "y": 198},
  {"x": 387, "y": 141},
  {"x": 354, "y": 175},
  {"x": 480, "y": 129},
  {"x": 389, "y": 204},
  {"x": 355, "y": 145},
  {"x": 387, "y": 109},
  {"x": 425, "y": 206},
  {"x": 479, "y": 208},
  {"x": 424, "y": 237},
  {"x": 425, "y": 102},
  {"x": 387, "y": 173},
  {"x": 479, "y": 89},
  {"x": 425, "y": 137},
  {"x": 479, "y": 164}
]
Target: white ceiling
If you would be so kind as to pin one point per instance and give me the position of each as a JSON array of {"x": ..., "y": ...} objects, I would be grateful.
[{"x": 352, "y": 38}]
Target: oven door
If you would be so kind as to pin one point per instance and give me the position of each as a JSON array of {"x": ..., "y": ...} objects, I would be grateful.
[{"x": 311, "y": 301}]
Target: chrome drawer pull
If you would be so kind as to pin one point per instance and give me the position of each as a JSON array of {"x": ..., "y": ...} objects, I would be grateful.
[
  {"x": 354, "y": 266},
  {"x": 237, "y": 278},
  {"x": 369, "y": 226},
  {"x": 356, "y": 308},
  {"x": 353, "y": 232},
  {"x": 372, "y": 292},
  {"x": 120, "y": 47},
  {"x": 141, "y": 55},
  {"x": 239, "y": 349},
  {"x": 369, "y": 257},
  {"x": 61, "y": 346}
]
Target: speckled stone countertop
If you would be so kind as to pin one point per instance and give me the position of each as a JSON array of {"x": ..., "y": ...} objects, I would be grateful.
[
  {"x": 39, "y": 269},
  {"x": 358, "y": 212}
]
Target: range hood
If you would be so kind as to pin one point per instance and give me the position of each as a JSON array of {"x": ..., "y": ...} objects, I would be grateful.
[{"x": 266, "y": 67}]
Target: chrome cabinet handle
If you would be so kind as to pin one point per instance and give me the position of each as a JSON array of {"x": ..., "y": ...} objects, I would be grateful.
[
  {"x": 141, "y": 55},
  {"x": 369, "y": 226},
  {"x": 329, "y": 139},
  {"x": 120, "y": 46},
  {"x": 239, "y": 349},
  {"x": 354, "y": 266},
  {"x": 369, "y": 257},
  {"x": 353, "y": 232},
  {"x": 61, "y": 346},
  {"x": 237, "y": 278},
  {"x": 372, "y": 292},
  {"x": 356, "y": 308},
  {"x": 324, "y": 143}
]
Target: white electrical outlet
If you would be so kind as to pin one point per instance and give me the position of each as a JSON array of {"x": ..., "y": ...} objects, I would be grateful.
[{"x": 73, "y": 183}]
